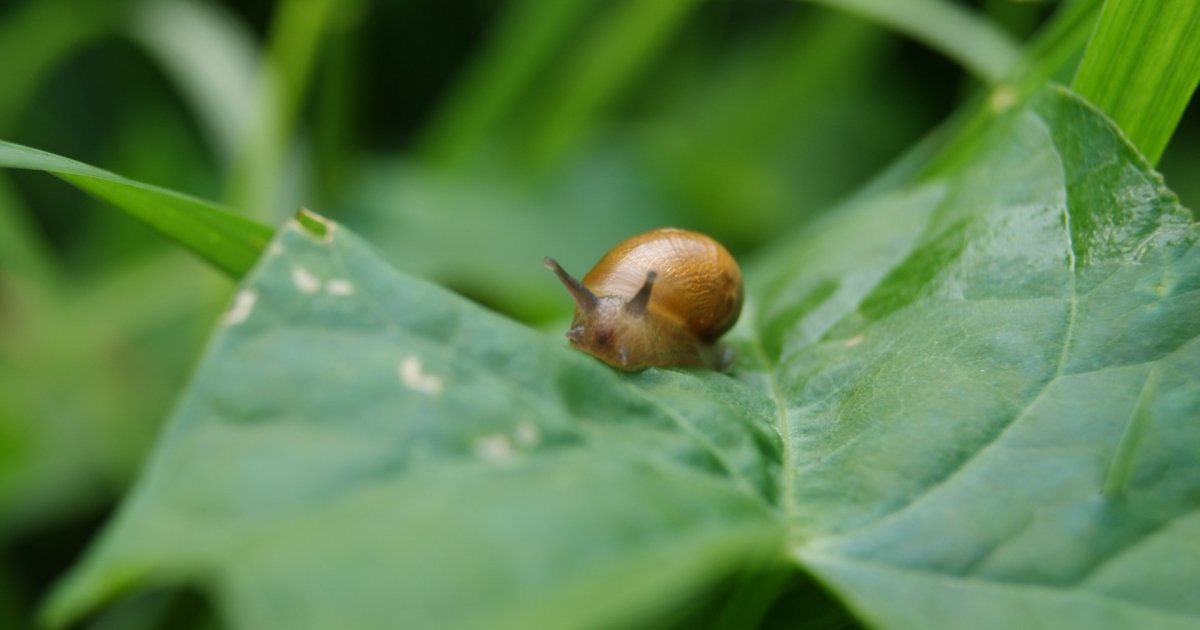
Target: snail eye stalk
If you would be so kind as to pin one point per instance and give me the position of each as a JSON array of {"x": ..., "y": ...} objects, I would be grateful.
[
  {"x": 584, "y": 299},
  {"x": 637, "y": 304}
]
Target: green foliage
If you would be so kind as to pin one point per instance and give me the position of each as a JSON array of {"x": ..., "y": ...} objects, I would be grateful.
[
  {"x": 964, "y": 396},
  {"x": 967, "y": 402}
]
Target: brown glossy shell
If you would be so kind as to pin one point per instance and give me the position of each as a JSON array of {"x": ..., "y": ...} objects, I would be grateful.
[{"x": 699, "y": 283}]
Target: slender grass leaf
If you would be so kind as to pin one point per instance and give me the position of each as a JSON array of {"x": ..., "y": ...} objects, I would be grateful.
[
  {"x": 968, "y": 403},
  {"x": 1053, "y": 52},
  {"x": 1142, "y": 66},
  {"x": 229, "y": 242},
  {"x": 337, "y": 105},
  {"x": 523, "y": 41},
  {"x": 212, "y": 59},
  {"x": 34, "y": 38},
  {"x": 298, "y": 29},
  {"x": 603, "y": 63},
  {"x": 962, "y": 35}
]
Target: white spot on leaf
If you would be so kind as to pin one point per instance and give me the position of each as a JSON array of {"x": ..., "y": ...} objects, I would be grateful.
[
  {"x": 494, "y": 448},
  {"x": 305, "y": 281},
  {"x": 275, "y": 248},
  {"x": 413, "y": 376},
  {"x": 854, "y": 341},
  {"x": 243, "y": 304},
  {"x": 527, "y": 434},
  {"x": 338, "y": 286}
]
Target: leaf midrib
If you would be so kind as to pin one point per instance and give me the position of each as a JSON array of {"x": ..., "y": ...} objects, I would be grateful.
[{"x": 787, "y": 498}]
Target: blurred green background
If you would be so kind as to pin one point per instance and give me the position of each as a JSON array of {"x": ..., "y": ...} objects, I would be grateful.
[{"x": 467, "y": 140}]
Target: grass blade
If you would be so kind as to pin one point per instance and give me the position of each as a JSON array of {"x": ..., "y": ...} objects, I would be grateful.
[
  {"x": 211, "y": 58},
  {"x": 298, "y": 31},
  {"x": 1142, "y": 66},
  {"x": 607, "y": 59},
  {"x": 229, "y": 242},
  {"x": 524, "y": 40},
  {"x": 967, "y": 38}
]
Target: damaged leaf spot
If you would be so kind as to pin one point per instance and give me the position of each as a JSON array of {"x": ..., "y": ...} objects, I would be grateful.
[
  {"x": 243, "y": 305},
  {"x": 414, "y": 377}
]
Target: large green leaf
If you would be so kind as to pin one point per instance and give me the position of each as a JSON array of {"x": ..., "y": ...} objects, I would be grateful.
[
  {"x": 993, "y": 411},
  {"x": 968, "y": 403},
  {"x": 350, "y": 421}
]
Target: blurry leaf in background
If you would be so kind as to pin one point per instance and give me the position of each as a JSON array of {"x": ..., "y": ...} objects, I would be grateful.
[
  {"x": 71, "y": 437},
  {"x": 525, "y": 35},
  {"x": 259, "y": 182},
  {"x": 767, "y": 136},
  {"x": 582, "y": 83},
  {"x": 485, "y": 235},
  {"x": 210, "y": 55},
  {"x": 36, "y": 36},
  {"x": 971, "y": 400},
  {"x": 741, "y": 147},
  {"x": 85, "y": 379},
  {"x": 955, "y": 31}
]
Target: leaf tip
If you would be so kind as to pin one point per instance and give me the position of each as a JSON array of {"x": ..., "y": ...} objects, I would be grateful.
[{"x": 315, "y": 224}]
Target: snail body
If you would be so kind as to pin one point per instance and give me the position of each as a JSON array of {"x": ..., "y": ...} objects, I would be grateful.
[{"x": 660, "y": 299}]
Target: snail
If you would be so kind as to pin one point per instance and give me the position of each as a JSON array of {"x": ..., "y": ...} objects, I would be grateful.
[{"x": 660, "y": 299}]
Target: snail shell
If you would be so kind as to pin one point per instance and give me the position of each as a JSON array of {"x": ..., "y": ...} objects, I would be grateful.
[{"x": 661, "y": 298}]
